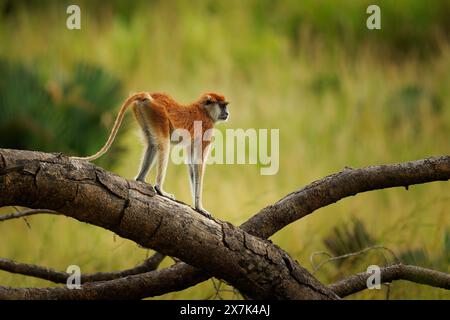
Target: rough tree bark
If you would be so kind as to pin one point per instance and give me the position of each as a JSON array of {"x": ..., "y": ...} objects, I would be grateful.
[
  {"x": 87, "y": 193},
  {"x": 213, "y": 248}
]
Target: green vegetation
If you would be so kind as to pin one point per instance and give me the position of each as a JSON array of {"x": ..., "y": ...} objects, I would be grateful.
[
  {"x": 68, "y": 116},
  {"x": 340, "y": 94}
]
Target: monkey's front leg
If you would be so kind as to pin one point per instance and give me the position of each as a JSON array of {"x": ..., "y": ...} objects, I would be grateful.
[
  {"x": 196, "y": 197},
  {"x": 203, "y": 212},
  {"x": 199, "y": 170}
]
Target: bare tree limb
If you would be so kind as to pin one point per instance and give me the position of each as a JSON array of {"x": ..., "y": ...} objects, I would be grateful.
[
  {"x": 136, "y": 286},
  {"x": 399, "y": 271},
  {"x": 331, "y": 189},
  {"x": 25, "y": 213},
  {"x": 49, "y": 274},
  {"x": 344, "y": 256},
  {"x": 348, "y": 182},
  {"x": 131, "y": 209},
  {"x": 321, "y": 193}
]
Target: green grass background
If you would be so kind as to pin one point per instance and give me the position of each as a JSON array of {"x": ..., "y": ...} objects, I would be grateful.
[{"x": 340, "y": 94}]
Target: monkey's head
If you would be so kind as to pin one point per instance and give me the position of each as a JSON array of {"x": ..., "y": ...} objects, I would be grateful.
[{"x": 216, "y": 106}]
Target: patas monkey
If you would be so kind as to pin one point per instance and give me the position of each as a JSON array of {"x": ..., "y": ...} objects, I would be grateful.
[{"x": 158, "y": 116}]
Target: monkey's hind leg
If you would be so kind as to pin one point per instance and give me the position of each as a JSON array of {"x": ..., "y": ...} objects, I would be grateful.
[
  {"x": 151, "y": 147},
  {"x": 147, "y": 161}
]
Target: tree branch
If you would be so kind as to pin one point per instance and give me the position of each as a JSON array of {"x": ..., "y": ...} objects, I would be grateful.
[
  {"x": 348, "y": 255},
  {"x": 136, "y": 286},
  {"x": 348, "y": 182},
  {"x": 332, "y": 189},
  {"x": 305, "y": 201},
  {"x": 25, "y": 213},
  {"x": 399, "y": 271},
  {"x": 131, "y": 209},
  {"x": 49, "y": 274}
]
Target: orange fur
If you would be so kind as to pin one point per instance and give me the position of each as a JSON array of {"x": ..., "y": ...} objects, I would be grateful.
[
  {"x": 158, "y": 116},
  {"x": 181, "y": 116}
]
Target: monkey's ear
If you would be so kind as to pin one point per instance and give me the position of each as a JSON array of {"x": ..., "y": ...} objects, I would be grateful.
[{"x": 208, "y": 99}]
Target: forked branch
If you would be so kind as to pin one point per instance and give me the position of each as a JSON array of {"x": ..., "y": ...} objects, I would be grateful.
[{"x": 132, "y": 210}]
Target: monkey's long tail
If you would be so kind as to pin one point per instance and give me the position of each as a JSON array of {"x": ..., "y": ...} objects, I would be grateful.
[{"x": 113, "y": 133}]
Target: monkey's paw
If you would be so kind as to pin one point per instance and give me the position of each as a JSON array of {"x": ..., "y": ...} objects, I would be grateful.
[
  {"x": 204, "y": 212},
  {"x": 163, "y": 193}
]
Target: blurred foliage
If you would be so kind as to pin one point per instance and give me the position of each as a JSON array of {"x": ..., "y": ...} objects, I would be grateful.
[
  {"x": 353, "y": 237},
  {"x": 348, "y": 238},
  {"x": 25, "y": 108},
  {"x": 422, "y": 257},
  {"x": 325, "y": 82},
  {"x": 69, "y": 116},
  {"x": 417, "y": 22},
  {"x": 406, "y": 104}
]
